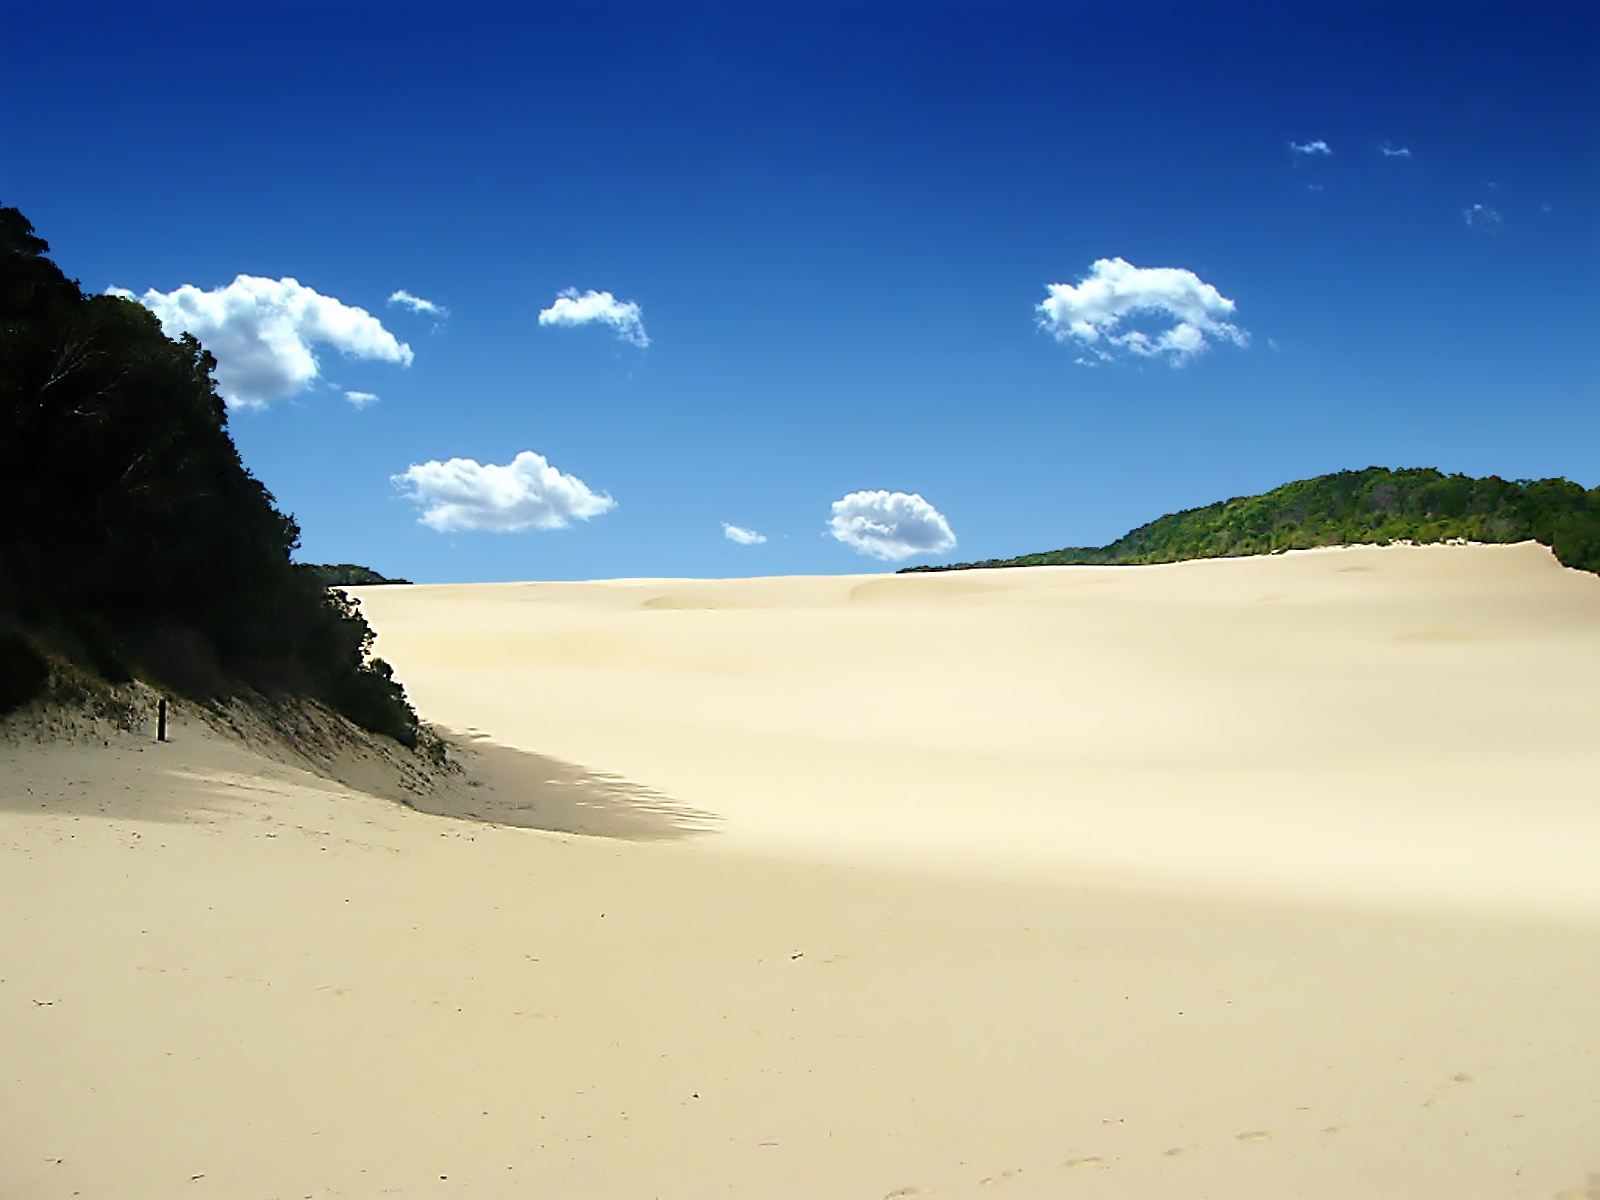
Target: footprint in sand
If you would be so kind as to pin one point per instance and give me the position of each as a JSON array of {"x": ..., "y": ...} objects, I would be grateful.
[
  {"x": 1255, "y": 1135},
  {"x": 1002, "y": 1177},
  {"x": 1177, "y": 1150},
  {"x": 906, "y": 1193},
  {"x": 1084, "y": 1162}
]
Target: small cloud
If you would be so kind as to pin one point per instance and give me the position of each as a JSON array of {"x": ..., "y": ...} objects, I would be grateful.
[
  {"x": 745, "y": 537},
  {"x": 1316, "y": 149},
  {"x": 890, "y": 525},
  {"x": 418, "y": 305},
  {"x": 624, "y": 317},
  {"x": 361, "y": 399},
  {"x": 527, "y": 492},
  {"x": 1483, "y": 218},
  {"x": 1093, "y": 312},
  {"x": 261, "y": 332},
  {"x": 1547, "y": 207},
  {"x": 1389, "y": 151}
]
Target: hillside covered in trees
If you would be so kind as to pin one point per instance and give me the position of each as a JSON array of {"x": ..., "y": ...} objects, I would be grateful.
[
  {"x": 135, "y": 544},
  {"x": 348, "y": 575},
  {"x": 1353, "y": 507}
]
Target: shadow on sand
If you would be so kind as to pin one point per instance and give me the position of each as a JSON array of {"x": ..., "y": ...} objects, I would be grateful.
[
  {"x": 69, "y": 762},
  {"x": 507, "y": 786}
]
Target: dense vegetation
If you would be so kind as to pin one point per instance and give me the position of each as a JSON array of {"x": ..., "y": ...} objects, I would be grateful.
[
  {"x": 1374, "y": 505},
  {"x": 348, "y": 575},
  {"x": 135, "y": 544}
]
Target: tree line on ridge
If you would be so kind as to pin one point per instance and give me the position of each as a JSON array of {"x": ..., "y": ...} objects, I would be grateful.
[{"x": 1374, "y": 505}]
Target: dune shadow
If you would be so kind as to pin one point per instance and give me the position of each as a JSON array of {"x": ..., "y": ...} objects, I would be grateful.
[
  {"x": 507, "y": 786},
  {"x": 76, "y": 767},
  {"x": 72, "y": 780}
]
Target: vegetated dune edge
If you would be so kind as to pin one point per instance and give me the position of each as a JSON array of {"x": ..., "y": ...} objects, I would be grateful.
[{"x": 226, "y": 976}]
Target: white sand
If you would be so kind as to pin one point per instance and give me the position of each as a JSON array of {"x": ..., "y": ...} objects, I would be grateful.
[
  {"x": 1241, "y": 879},
  {"x": 1414, "y": 722}
]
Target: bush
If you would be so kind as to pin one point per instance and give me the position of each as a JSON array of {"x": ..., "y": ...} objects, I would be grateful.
[{"x": 24, "y": 672}]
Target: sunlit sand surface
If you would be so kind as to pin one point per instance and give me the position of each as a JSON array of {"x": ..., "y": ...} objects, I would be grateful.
[
  {"x": 1408, "y": 723},
  {"x": 1249, "y": 878}
]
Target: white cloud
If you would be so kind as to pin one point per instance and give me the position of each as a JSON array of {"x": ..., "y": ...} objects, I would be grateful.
[
  {"x": 418, "y": 305},
  {"x": 361, "y": 399},
  {"x": 1389, "y": 151},
  {"x": 1316, "y": 149},
  {"x": 527, "y": 492},
  {"x": 890, "y": 525},
  {"x": 745, "y": 537},
  {"x": 1483, "y": 218},
  {"x": 261, "y": 332},
  {"x": 623, "y": 316},
  {"x": 1093, "y": 312}
]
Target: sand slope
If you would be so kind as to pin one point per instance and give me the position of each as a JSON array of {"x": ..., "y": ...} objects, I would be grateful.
[
  {"x": 1407, "y": 721},
  {"x": 224, "y": 977}
]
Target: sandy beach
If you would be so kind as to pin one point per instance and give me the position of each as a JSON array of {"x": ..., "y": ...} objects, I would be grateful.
[{"x": 1241, "y": 879}]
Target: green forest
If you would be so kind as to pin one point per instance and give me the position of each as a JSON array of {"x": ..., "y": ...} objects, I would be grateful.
[
  {"x": 135, "y": 544},
  {"x": 1350, "y": 507}
]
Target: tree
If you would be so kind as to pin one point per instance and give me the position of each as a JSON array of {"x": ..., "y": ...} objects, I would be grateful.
[{"x": 134, "y": 540}]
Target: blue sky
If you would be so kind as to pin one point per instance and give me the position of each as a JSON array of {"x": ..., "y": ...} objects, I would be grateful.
[{"x": 1055, "y": 269}]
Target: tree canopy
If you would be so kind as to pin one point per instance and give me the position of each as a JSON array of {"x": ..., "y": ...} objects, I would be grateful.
[
  {"x": 348, "y": 575},
  {"x": 134, "y": 542},
  {"x": 1351, "y": 507}
]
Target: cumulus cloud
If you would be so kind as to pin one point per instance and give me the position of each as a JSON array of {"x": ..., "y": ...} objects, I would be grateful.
[
  {"x": 1389, "y": 151},
  {"x": 1482, "y": 218},
  {"x": 361, "y": 399},
  {"x": 890, "y": 525},
  {"x": 1316, "y": 149},
  {"x": 1093, "y": 312},
  {"x": 261, "y": 332},
  {"x": 745, "y": 537},
  {"x": 624, "y": 317},
  {"x": 418, "y": 305},
  {"x": 527, "y": 492}
]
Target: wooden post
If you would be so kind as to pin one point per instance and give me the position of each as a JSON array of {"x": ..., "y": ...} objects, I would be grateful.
[{"x": 161, "y": 720}]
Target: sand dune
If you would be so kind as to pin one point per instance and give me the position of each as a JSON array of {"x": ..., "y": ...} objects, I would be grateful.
[
  {"x": 1405, "y": 722},
  {"x": 1238, "y": 879}
]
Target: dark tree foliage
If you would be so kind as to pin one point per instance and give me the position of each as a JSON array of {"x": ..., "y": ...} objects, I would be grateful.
[
  {"x": 348, "y": 575},
  {"x": 135, "y": 542},
  {"x": 1374, "y": 505}
]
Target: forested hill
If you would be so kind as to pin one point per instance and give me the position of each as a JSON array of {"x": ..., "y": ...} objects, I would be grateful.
[
  {"x": 1351, "y": 507},
  {"x": 134, "y": 543},
  {"x": 348, "y": 575}
]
